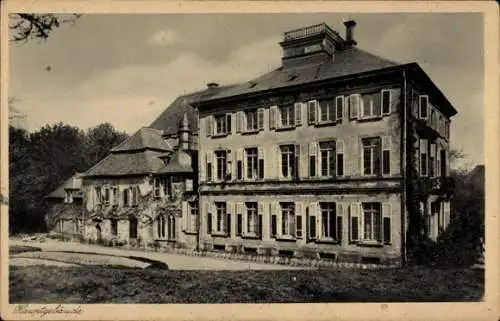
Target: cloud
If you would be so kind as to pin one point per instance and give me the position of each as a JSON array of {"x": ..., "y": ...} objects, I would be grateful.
[{"x": 165, "y": 37}]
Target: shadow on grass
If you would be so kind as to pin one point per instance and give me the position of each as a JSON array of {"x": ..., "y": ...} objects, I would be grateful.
[{"x": 98, "y": 284}]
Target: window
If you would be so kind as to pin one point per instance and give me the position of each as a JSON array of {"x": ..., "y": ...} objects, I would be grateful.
[
  {"x": 328, "y": 220},
  {"x": 372, "y": 218},
  {"x": 126, "y": 198},
  {"x": 221, "y": 211},
  {"x": 239, "y": 224},
  {"x": 193, "y": 208},
  {"x": 423, "y": 102},
  {"x": 386, "y": 102},
  {"x": 371, "y": 106},
  {"x": 327, "y": 111},
  {"x": 252, "y": 120},
  {"x": 431, "y": 166},
  {"x": 221, "y": 161},
  {"x": 327, "y": 158},
  {"x": 222, "y": 124},
  {"x": 274, "y": 226},
  {"x": 287, "y": 219},
  {"x": 114, "y": 227},
  {"x": 371, "y": 156},
  {"x": 287, "y": 116},
  {"x": 424, "y": 162},
  {"x": 68, "y": 197},
  {"x": 135, "y": 195},
  {"x": 209, "y": 166},
  {"x": 160, "y": 226},
  {"x": 99, "y": 196},
  {"x": 288, "y": 161},
  {"x": 132, "y": 224},
  {"x": 171, "y": 228},
  {"x": 340, "y": 157},
  {"x": 252, "y": 218},
  {"x": 252, "y": 163},
  {"x": 311, "y": 112},
  {"x": 157, "y": 188},
  {"x": 433, "y": 119},
  {"x": 116, "y": 196},
  {"x": 106, "y": 196}
]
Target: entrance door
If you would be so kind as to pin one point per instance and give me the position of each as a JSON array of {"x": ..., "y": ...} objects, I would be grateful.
[{"x": 132, "y": 227}]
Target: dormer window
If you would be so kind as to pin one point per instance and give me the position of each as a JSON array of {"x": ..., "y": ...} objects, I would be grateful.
[{"x": 68, "y": 197}]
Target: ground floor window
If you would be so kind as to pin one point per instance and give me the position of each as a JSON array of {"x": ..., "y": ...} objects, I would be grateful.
[
  {"x": 287, "y": 219},
  {"x": 171, "y": 227},
  {"x": 328, "y": 220},
  {"x": 221, "y": 210},
  {"x": 372, "y": 218},
  {"x": 160, "y": 226},
  {"x": 252, "y": 217}
]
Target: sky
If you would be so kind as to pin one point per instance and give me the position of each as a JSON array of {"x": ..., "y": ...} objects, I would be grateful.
[{"x": 126, "y": 69}]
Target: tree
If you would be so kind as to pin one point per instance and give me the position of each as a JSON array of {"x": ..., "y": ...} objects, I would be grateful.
[
  {"x": 26, "y": 26},
  {"x": 99, "y": 141}
]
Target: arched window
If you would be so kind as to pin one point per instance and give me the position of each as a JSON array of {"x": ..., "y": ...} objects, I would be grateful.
[
  {"x": 171, "y": 227},
  {"x": 160, "y": 224}
]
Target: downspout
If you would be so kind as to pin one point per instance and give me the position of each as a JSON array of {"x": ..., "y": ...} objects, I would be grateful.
[{"x": 403, "y": 169}]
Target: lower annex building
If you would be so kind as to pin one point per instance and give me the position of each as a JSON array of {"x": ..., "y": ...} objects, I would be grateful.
[{"x": 313, "y": 159}]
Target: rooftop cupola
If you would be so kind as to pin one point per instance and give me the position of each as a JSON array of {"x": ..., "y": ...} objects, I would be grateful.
[{"x": 310, "y": 44}]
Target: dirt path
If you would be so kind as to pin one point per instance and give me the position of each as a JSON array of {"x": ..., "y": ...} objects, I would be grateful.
[{"x": 174, "y": 261}]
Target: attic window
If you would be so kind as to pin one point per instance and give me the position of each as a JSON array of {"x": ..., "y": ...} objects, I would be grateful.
[{"x": 292, "y": 77}]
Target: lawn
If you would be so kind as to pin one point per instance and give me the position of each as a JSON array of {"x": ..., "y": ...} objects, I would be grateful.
[{"x": 100, "y": 284}]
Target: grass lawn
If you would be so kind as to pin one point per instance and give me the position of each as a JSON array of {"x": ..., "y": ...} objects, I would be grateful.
[{"x": 99, "y": 284}]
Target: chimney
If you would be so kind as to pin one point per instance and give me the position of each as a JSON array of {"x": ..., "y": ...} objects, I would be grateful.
[
  {"x": 212, "y": 85},
  {"x": 349, "y": 33}
]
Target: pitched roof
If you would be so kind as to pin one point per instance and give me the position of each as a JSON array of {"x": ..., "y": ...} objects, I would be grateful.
[
  {"x": 74, "y": 183},
  {"x": 130, "y": 163},
  {"x": 144, "y": 138},
  {"x": 170, "y": 119},
  {"x": 346, "y": 62},
  {"x": 180, "y": 162}
]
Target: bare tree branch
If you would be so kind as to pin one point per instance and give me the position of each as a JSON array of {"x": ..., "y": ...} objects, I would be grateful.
[{"x": 26, "y": 26}]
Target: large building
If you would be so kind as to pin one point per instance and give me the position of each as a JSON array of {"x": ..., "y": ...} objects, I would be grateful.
[
  {"x": 316, "y": 157},
  {"x": 336, "y": 154}
]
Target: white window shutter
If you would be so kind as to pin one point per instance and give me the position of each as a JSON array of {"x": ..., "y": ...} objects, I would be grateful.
[
  {"x": 339, "y": 108},
  {"x": 354, "y": 106},
  {"x": 239, "y": 121},
  {"x": 312, "y": 112},
  {"x": 185, "y": 216},
  {"x": 279, "y": 219},
  {"x": 260, "y": 118},
  {"x": 273, "y": 114},
  {"x": 298, "y": 114},
  {"x": 313, "y": 151}
]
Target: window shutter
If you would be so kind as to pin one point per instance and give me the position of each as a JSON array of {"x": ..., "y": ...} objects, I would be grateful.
[
  {"x": 185, "y": 216},
  {"x": 339, "y": 108},
  {"x": 227, "y": 225},
  {"x": 239, "y": 121},
  {"x": 240, "y": 209},
  {"x": 239, "y": 224},
  {"x": 338, "y": 218},
  {"x": 239, "y": 164},
  {"x": 228, "y": 123},
  {"x": 273, "y": 111},
  {"x": 209, "y": 125},
  {"x": 298, "y": 114},
  {"x": 299, "y": 208},
  {"x": 208, "y": 211},
  {"x": 433, "y": 156},
  {"x": 274, "y": 220},
  {"x": 260, "y": 117},
  {"x": 386, "y": 226},
  {"x": 446, "y": 211},
  {"x": 354, "y": 222},
  {"x": 424, "y": 163},
  {"x": 279, "y": 217},
  {"x": 313, "y": 226},
  {"x": 438, "y": 161},
  {"x": 312, "y": 111},
  {"x": 354, "y": 106},
  {"x": 423, "y": 106},
  {"x": 386, "y": 155},
  {"x": 340, "y": 157},
  {"x": 261, "y": 159},
  {"x": 297, "y": 163},
  {"x": 313, "y": 159},
  {"x": 385, "y": 101}
]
